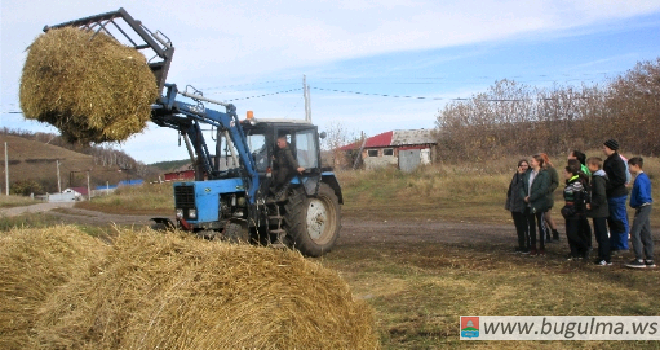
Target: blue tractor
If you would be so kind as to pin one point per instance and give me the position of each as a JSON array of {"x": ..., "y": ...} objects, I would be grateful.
[{"x": 232, "y": 197}]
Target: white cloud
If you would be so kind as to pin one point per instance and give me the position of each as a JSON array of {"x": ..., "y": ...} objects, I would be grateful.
[
  {"x": 239, "y": 41},
  {"x": 252, "y": 37}
]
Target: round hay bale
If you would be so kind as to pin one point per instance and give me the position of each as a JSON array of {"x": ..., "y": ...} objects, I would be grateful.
[
  {"x": 88, "y": 85},
  {"x": 33, "y": 263},
  {"x": 165, "y": 291}
]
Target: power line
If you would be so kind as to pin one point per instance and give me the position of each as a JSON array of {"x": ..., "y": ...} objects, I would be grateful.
[
  {"x": 235, "y": 99},
  {"x": 294, "y": 106},
  {"x": 437, "y": 98},
  {"x": 234, "y": 90},
  {"x": 247, "y": 84},
  {"x": 263, "y": 95}
]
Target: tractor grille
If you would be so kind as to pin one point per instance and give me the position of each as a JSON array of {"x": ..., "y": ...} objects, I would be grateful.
[{"x": 184, "y": 196}]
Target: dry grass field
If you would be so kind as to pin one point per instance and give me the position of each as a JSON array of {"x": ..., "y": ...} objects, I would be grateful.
[
  {"x": 144, "y": 199},
  {"x": 33, "y": 160},
  {"x": 425, "y": 248},
  {"x": 469, "y": 192},
  {"x": 15, "y": 201}
]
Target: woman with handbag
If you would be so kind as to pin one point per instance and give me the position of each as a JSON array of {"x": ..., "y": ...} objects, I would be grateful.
[{"x": 574, "y": 210}]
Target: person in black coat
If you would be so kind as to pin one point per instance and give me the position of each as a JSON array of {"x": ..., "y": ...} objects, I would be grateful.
[
  {"x": 516, "y": 205},
  {"x": 615, "y": 168},
  {"x": 598, "y": 210},
  {"x": 285, "y": 167},
  {"x": 574, "y": 209}
]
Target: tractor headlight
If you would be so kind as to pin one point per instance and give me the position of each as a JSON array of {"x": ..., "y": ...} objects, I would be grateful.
[
  {"x": 192, "y": 214},
  {"x": 179, "y": 213}
]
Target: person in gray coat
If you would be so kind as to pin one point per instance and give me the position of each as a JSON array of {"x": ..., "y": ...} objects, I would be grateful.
[
  {"x": 516, "y": 205},
  {"x": 598, "y": 210}
]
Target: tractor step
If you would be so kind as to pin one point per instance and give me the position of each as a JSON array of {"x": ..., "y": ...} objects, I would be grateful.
[
  {"x": 275, "y": 217},
  {"x": 277, "y": 230}
]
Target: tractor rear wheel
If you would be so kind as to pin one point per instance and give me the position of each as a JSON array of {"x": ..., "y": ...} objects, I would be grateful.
[{"x": 313, "y": 222}]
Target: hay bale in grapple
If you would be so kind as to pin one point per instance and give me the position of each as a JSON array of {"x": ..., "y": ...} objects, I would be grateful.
[
  {"x": 165, "y": 291},
  {"x": 88, "y": 85},
  {"x": 33, "y": 263}
]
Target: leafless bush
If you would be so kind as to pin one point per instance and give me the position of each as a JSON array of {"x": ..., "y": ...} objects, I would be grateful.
[{"x": 512, "y": 118}]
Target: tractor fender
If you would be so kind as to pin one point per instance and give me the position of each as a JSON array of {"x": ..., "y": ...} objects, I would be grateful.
[{"x": 331, "y": 180}]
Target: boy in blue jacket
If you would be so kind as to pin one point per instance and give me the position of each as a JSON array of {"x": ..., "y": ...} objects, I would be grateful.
[{"x": 640, "y": 200}]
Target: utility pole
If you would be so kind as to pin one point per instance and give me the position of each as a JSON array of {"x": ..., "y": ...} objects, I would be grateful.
[
  {"x": 359, "y": 155},
  {"x": 59, "y": 182},
  {"x": 89, "y": 193},
  {"x": 308, "y": 108},
  {"x": 6, "y": 171}
]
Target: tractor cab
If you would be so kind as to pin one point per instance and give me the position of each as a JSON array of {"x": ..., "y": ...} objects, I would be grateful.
[{"x": 302, "y": 139}]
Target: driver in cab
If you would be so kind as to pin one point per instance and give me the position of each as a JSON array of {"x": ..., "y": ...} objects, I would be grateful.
[{"x": 284, "y": 167}]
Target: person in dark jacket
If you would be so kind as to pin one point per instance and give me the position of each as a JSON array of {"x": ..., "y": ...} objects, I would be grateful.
[
  {"x": 598, "y": 210},
  {"x": 576, "y": 154},
  {"x": 516, "y": 205},
  {"x": 284, "y": 167},
  {"x": 535, "y": 194},
  {"x": 615, "y": 169},
  {"x": 584, "y": 224},
  {"x": 574, "y": 209},
  {"x": 547, "y": 216}
]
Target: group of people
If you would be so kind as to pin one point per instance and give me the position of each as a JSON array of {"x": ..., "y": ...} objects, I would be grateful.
[{"x": 595, "y": 188}]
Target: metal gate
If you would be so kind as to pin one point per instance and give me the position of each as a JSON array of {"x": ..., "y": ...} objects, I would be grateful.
[{"x": 409, "y": 159}]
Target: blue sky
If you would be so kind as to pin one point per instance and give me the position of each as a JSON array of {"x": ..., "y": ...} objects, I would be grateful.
[{"x": 450, "y": 49}]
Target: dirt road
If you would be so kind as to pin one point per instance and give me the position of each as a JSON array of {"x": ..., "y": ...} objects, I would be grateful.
[
  {"x": 36, "y": 208},
  {"x": 354, "y": 230}
]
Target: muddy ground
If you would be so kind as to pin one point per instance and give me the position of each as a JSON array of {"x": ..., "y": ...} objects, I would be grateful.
[{"x": 355, "y": 231}]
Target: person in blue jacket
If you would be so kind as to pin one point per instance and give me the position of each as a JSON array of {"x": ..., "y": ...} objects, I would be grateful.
[{"x": 641, "y": 200}]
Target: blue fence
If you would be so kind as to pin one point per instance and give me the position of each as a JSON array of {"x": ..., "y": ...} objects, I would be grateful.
[
  {"x": 130, "y": 182},
  {"x": 110, "y": 187}
]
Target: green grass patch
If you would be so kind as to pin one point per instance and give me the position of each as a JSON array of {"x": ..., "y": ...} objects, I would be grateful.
[{"x": 144, "y": 199}]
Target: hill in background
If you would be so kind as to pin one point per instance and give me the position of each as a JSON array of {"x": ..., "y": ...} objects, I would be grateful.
[
  {"x": 31, "y": 159},
  {"x": 172, "y": 165}
]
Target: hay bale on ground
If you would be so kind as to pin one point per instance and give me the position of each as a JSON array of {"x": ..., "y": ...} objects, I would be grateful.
[
  {"x": 33, "y": 263},
  {"x": 164, "y": 291},
  {"x": 88, "y": 85}
]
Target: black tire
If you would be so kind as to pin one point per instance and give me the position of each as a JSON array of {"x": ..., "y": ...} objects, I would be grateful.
[
  {"x": 159, "y": 226},
  {"x": 316, "y": 235},
  {"x": 235, "y": 233}
]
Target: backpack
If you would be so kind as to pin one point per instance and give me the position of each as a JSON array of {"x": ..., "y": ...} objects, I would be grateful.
[{"x": 628, "y": 176}]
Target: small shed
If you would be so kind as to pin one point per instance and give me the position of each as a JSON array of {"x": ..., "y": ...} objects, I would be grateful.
[{"x": 68, "y": 195}]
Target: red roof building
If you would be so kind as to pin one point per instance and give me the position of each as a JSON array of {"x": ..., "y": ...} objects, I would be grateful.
[
  {"x": 404, "y": 149},
  {"x": 380, "y": 140},
  {"x": 186, "y": 175}
]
